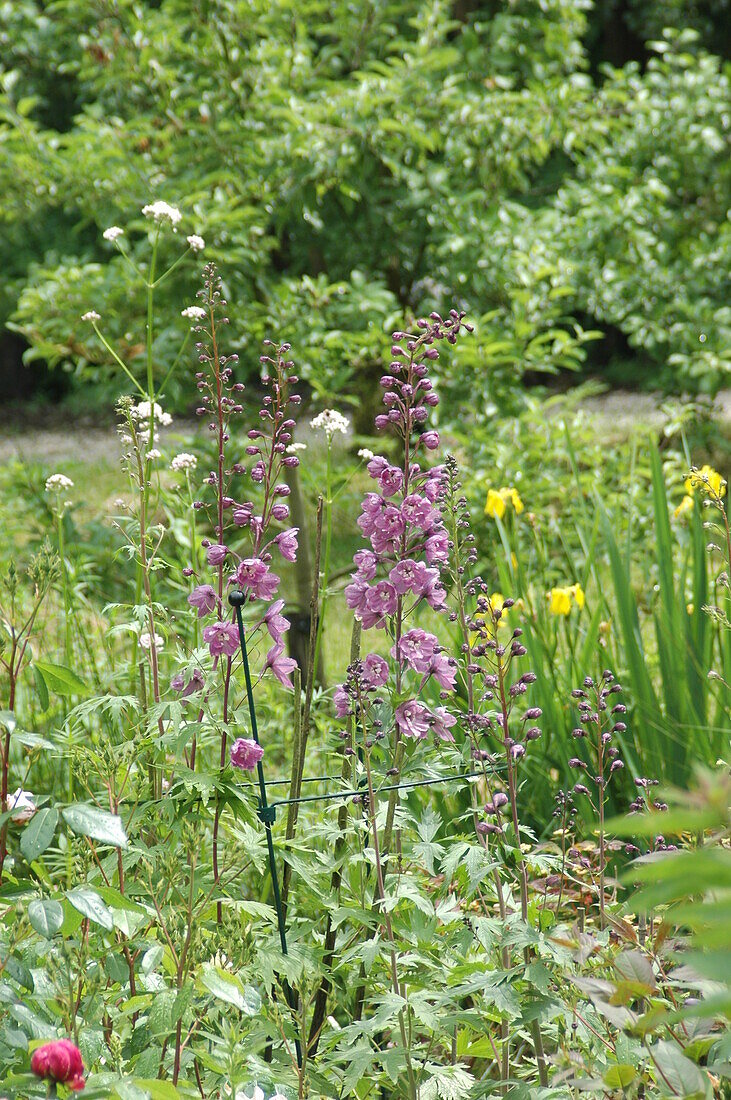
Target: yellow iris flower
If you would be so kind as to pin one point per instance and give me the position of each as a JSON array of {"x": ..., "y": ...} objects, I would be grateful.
[
  {"x": 561, "y": 600},
  {"x": 707, "y": 480},
  {"x": 498, "y": 500}
]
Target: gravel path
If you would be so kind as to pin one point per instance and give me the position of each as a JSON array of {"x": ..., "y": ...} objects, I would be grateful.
[{"x": 81, "y": 441}]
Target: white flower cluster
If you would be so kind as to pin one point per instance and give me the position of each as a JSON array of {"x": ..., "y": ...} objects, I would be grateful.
[
  {"x": 162, "y": 211},
  {"x": 58, "y": 483},
  {"x": 193, "y": 313},
  {"x": 294, "y": 447},
  {"x": 196, "y": 243},
  {"x": 184, "y": 461},
  {"x": 143, "y": 411},
  {"x": 91, "y": 315},
  {"x": 113, "y": 233},
  {"x": 146, "y": 641},
  {"x": 329, "y": 421},
  {"x": 366, "y": 454}
]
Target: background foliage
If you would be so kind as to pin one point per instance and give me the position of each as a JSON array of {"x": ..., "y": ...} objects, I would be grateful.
[{"x": 558, "y": 168}]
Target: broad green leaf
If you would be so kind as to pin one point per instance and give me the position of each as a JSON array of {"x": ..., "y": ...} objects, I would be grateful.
[
  {"x": 97, "y": 824},
  {"x": 619, "y": 1076},
  {"x": 676, "y": 1075},
  {"x": 90, "y": 905},
  {"x": 60, "y": 679},
  {"x": 45, "y": 916},
  {"x": 227, "y": 987},
  {"x": 39, "y": 833},
  {"x": 158, "y": 1090}
]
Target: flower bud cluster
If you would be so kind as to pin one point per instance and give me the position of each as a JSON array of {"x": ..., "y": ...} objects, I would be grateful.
[
  {"x": 600, "y": 720},
  {"x": 645, "y": 803}
]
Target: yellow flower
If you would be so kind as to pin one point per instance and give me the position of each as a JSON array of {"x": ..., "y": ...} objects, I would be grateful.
[
  {"x": 689, "y": 607},
  {"x": 561, "y": 600},
  {"x": 707, "y": 480},
  {"x": 686, "y": 505},
  {"x": 498, "y": 500},
  {"x": 495, "y": 505}
]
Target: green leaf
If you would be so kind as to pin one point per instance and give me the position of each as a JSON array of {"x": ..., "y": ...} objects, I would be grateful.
[
  {"x": 60, "y": 679},
  {"x": 90, "y": 905},
  {"x": 41, "y": 688},
  {"x": 46, "y": 917},
  {"x": 676, "y": 1075},
  {"x": 39, "y": 833},
  {"x": 227, "y": 987},
  {"x": 98, "y": 824},
  {"x": 619, "y": 1076},
  {"x": 158, "y": 1090}
]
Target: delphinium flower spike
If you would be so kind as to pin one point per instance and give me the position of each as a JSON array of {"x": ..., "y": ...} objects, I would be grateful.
[
  {"x": 408, "y": 546},
  {"x": 599, "y": 722}
]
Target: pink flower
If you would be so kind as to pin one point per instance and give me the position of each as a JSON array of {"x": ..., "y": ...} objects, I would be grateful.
[
  {"x": 280, "y": 511},
  {"x": 418, "y": 511},
  {"x": 356, "y": 595},
  {"x": 417, "y": 647},
  {"x": 204, "y": 599},
  {"x": 372, "y": 505},
  {"x": 375, "y": 670},
  {"x": 254, "y": 574},
  {"x": 242, "y": 515},
  {"x": 367, "y": 563},
  {"x": 246, "y": 754},
  {"x": 442, "y": 668},
  {"x": 388, "y": 528},
  {"x": 376, "y": 466},
  {"x": 287, "y": 543},
  {"x": 412, "y": 719},
  {"x": 341, "y": 700},
  {"x": 443, "y": 722},
  {"x": 436, "y": 548},
  {"x": 59, "y": 1060},
  {"x": 222, "y": 638},
  {"x": 408, "y": 576},
  {"x": 390, "y": 480},
  {"x": 275, "y": 622},
  {"x": 380, "y": 601},
  {"x": 217, "y": 553},
  {"x": 281, "y": 666},
  {"x": 430, "y": 440},
  {"x": 434, "y": 589},
  {"x": 187, "y": 687}
]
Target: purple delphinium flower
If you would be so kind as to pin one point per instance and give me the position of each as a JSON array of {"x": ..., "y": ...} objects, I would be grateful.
[
  {"x": 401, "y": 520},
  {"x": 204, "y": 599},
  {"x": 222, "y": 638},
  {"x": 246, "y": 754},
  {"x": 281, "y": 665},
  {"x": 188, "y": 686}
]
